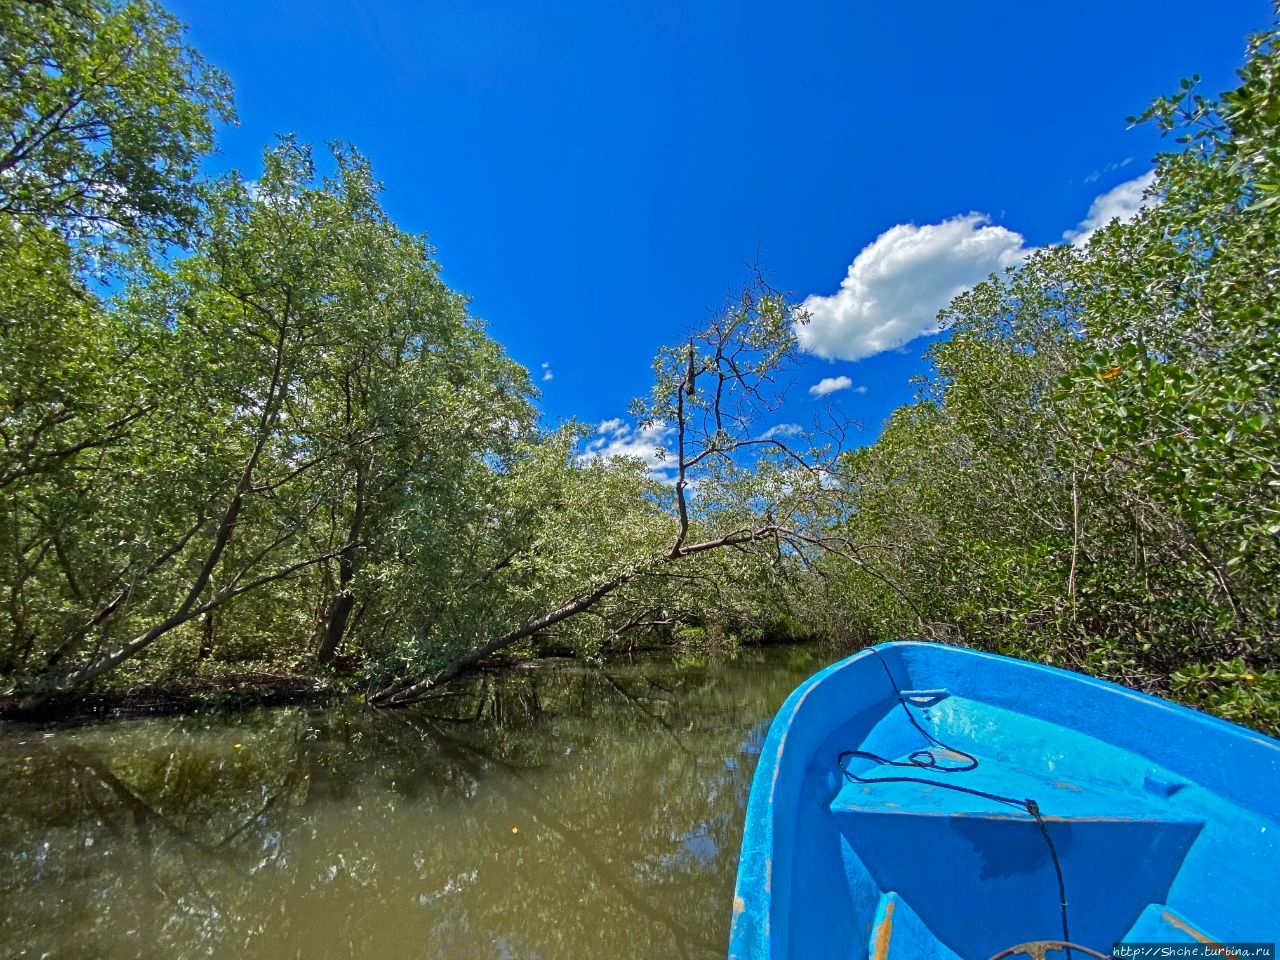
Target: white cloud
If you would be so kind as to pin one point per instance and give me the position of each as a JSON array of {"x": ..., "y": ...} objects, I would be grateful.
[
  {"x": 1109, "y": 168},
  {"x": 782, "y": 430},
  {"x": 616, "y": 438},
  {"x": 830, "y": 385},
  {"x": 898, "y": 283},
  {"x": 547, "y": 375},
  {"x": 1121, "y": 202}
]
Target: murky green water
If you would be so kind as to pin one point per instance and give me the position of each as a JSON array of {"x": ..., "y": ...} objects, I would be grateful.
[{"x": 565, "y": 812}]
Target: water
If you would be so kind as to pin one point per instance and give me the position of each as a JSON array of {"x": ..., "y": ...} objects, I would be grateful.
[{"x": 562, "y": 812}]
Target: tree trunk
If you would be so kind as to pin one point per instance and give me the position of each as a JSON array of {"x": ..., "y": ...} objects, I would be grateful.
[
  {"x": 207, "y": 635},
  {"x": 335, "y": 625}
]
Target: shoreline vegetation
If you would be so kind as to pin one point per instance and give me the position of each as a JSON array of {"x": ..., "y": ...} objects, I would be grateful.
[
  {"x": 230, "y": 693},
  {"x": 247, "y": 431}
]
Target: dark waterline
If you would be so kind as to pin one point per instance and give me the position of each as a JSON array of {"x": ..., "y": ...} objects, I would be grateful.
[{"x": 565, "y": 812}]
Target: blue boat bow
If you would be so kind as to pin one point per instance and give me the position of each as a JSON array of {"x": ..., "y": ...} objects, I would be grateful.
[{"x": 925, "y": 801}]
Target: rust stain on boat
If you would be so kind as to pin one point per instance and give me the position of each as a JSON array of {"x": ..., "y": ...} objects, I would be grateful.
[
  {"x": 1179, "y": 923},
  {"x": 884, "y": 932}
]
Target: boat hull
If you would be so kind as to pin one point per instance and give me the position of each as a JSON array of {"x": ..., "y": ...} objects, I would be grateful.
[{"x": 1147, "y": 821}]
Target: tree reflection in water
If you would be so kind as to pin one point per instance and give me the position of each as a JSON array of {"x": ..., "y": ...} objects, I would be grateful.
[{"x": 560, "y": 812}]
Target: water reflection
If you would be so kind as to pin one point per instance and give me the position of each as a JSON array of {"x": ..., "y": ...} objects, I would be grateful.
[{"x": 559, "y": 813}]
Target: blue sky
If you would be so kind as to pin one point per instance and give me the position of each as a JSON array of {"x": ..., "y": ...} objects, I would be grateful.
[{"x": 594, "y": 174}]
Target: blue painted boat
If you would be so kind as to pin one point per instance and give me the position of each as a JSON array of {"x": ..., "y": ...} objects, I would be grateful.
[{"x": 930, "y": 802}]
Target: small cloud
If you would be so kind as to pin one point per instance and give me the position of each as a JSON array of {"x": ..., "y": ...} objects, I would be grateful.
[
  {"x": 1109, "y": 168},
  {"x": 1122, "y": 202},
  {"x": 830, "y": 385},
  {"x": 782, "y": 430},
  {"x": 897, "y": 284},
  {"x": 547, "y": 375},
  {"x": 860, "y": 389},
  {"x": 616, "y": 438}
]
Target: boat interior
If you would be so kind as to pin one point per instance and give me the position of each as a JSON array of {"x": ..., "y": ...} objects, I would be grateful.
[{"x": 957, "y": 812}]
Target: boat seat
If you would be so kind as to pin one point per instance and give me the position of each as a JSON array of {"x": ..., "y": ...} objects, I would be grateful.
[
  {"x": 1058, "y": 797},
  {"x": 977, "y": 875}
]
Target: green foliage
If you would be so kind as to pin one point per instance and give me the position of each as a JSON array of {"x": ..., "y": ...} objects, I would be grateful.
[
  {"x": 611, "y": 554},
  {"x": 106, "y": 115},
  {"x": 326, "y": 425},
  {"x": 281, "y": 442},
  {"x": 1232, "y": 690},
  {"x": 1091, "y": 475}
]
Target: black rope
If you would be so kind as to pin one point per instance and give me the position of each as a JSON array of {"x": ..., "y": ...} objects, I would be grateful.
[
  {"x": 1033, "y": 808},
  {"x": 927, "y": 760}
]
